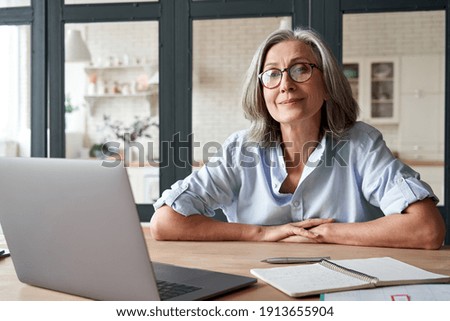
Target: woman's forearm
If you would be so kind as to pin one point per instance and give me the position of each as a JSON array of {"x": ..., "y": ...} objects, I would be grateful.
[
  {"x": 166, "y": 224},
  {"x": 420, "y": 226}
]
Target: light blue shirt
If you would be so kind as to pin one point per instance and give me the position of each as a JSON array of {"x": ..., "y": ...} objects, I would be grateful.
[{"x": 352, "y": 179}]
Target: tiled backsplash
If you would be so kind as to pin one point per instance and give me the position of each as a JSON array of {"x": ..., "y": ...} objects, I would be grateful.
[{"x": 404, "y": 33}]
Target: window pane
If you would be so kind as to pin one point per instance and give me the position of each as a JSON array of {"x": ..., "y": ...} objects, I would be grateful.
[
  {"x": 14, "y": 3},
  {"x": 398, "y": 77},
  {"x": 223, "y": 50},
  {"x": 112, "y": 99},
  {"x": 15, "y": 135}
]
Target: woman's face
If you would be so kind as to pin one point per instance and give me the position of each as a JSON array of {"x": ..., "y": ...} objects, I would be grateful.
[{"x": 293, "y": 103}]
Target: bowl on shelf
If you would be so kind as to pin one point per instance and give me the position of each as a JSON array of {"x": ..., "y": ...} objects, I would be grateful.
[{"x": 382, "y": 70}]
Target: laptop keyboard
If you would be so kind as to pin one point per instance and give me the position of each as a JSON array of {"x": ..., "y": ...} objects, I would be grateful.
[{"x": 168, "y": 290}]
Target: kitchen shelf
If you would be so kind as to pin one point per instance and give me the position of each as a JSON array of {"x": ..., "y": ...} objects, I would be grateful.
[
  {"x": 119, "y": 67},
  {"x": 144, "y": 94},
  {"x": 121, "y": 82}
]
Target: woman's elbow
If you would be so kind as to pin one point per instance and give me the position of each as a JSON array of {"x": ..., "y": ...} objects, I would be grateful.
[
  {"x": 436, "y": 240},
  {"x": 160, "y": 224},
  {"x": 434, "y": 237},
  {"x": 428, "y": 230}
]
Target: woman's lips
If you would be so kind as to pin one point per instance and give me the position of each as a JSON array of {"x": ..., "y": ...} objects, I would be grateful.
[{"x": 290, "y": 101}]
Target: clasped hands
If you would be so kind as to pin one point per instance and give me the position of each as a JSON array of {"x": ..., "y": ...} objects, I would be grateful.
[{"x": 307, "y": 231}]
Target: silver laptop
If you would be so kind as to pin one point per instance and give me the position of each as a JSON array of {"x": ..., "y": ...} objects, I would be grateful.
[{"x": 72, "y": 226}]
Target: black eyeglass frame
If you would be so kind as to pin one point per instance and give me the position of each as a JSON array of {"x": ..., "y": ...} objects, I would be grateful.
[{"x": 288, "y": 69}]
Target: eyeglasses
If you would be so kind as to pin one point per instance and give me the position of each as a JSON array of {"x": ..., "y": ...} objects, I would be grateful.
[{"x": 300, "y": 72}]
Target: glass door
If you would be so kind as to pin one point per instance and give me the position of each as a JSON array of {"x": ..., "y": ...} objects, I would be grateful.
[{"x": 111, "y": 99}]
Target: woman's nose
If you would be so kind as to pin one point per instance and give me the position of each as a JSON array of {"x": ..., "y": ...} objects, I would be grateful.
[{"x": 287, "y": 84}]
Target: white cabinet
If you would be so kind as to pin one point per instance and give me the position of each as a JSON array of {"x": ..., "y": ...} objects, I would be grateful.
[
  {"x": 421, "y": 130},
  {"x": 422, "y": 74},
  {"x": 375, "y": 85}
]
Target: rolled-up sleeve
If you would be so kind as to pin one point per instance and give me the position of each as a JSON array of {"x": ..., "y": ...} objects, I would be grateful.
[
  {"x": 387, "y": 182},
  {"x": 184, "y": 201},
  {"x": 405, "y": 192}
]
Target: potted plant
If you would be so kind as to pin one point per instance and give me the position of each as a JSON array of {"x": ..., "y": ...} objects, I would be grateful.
[{"x": 140, "y": 127}]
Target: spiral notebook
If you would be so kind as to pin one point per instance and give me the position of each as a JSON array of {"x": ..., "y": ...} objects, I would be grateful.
[{"x": 339, "y": 275}]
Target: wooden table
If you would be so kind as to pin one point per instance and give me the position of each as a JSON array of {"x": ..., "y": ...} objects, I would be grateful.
[{"x": 234, "y": 257}]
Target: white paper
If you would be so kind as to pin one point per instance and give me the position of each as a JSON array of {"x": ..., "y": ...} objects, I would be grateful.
[{"x": 417, "y": 292}]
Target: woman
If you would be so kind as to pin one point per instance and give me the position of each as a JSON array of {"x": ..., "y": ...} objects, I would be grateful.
[{"x": 305, "y": 171}]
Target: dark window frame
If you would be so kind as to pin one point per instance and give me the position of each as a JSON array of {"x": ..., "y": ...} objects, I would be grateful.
[{"x": 34, "y": 16}]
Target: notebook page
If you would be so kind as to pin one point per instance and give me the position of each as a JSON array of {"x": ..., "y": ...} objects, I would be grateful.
[
  {"x": 387, "y": 269},
  {"x": 306, "y": 279}
]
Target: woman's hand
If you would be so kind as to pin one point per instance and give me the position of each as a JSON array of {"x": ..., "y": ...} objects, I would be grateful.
[{"x": 294, "y": 232}]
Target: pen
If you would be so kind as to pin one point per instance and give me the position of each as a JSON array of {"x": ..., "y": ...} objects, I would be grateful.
[{"x": 293, "y": 260}]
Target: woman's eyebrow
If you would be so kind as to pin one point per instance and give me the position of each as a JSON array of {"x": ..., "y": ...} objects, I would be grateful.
[
  {"x": 270, "y": 64},
  {"x": 291, "y": 62}
]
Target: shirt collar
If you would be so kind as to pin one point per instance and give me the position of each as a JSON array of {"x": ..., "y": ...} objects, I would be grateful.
[{"x": 278, "y": 170}]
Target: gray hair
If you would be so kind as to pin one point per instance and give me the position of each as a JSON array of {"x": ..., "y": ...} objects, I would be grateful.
[{"x": 339, "y": 112}]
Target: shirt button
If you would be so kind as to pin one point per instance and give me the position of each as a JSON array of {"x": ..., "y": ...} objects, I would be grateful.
[{"x": 296, "y": 203}]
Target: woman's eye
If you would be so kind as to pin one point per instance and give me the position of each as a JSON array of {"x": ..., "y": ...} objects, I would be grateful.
[
  {"x": 299, "y": 69},
  {"x": 273, "y": 73}
]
